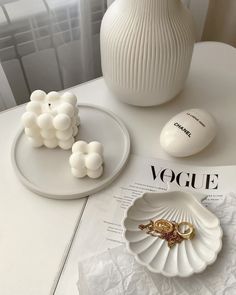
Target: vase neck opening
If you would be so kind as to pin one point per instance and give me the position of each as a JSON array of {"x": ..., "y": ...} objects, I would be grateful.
[{"x": 152, "y": 4}]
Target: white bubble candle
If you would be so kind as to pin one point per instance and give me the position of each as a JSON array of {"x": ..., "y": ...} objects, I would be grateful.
[
  {"x": 51, "y": 119},
  {"x": 87, "y": 159}
]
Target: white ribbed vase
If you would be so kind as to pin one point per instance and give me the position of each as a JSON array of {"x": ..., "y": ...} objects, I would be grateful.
[{"x": 146, "y": 49}]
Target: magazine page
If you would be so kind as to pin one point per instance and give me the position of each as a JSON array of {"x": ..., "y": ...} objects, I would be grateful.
[{"x": 100, "y": 226}]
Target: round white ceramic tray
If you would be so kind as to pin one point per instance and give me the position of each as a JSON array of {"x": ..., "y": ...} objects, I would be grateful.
[
  {"x": 186, "y": 258},
  {"x": 47, "y": 172}
]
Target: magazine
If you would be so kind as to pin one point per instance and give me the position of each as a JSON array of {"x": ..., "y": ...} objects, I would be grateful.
[{"x": 100, "y": 227}]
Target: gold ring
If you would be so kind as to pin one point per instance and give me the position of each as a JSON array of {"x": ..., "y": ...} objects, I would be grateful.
[
  {"x": 188, "y": 233},
  {"x": 163, "y": 226}
]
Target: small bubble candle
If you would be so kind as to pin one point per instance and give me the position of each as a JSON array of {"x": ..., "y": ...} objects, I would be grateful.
[
  {"x": 51, "y": 119},
  {"x": 87, "y": 159}
]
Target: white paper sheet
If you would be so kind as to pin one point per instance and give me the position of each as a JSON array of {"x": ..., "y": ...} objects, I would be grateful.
[{"x": 100, "y": 226}]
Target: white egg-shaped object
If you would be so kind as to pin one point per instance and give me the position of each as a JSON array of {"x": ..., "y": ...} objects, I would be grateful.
[
  {"x": 65, "y": 135},
  {"x": 77, "y": 161},
  {"x": 87, "y": 159},
  {"x": 53, "y": 118},
  {"x": 51, "y": 143},
  {"x": 67, "y": 144},
  {"x": 45, "y": 121},
  {"x": 62, "y": 122},
  {"x": 36, "y": 141},
  {"x": 38, "y": 95},
  {"x": 53, "y": 96},
  {"x": 188, "y": 133},
  {"x": 70, "y": 98},
  {"x": 48, "y": 133},
  {"x": 34, "y": 107},
  {"x": 79, "y": 173},
  {"x": 29, "y": 120},
  {"x": 95, "y": 173},
  {"x": 93, "y": 161},
  {"x": 80, "y": 146},
  {"x": 32, "y": 132},
  {"x": 66, "y": 108},
  {"x": 95, "y": 147}
]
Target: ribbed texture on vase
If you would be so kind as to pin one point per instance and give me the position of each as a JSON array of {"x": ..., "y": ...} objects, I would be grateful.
[{"x": 146, "y": 48}]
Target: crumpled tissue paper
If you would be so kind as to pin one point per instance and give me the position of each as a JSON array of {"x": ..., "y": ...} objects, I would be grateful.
[{"x": 114, "y": 272}]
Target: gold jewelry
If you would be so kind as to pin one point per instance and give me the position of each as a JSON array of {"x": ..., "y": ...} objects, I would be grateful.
[
  {"x": 189, "y": 231},
  {"x": 174, "y": 233},
  {"x": 163, "y": 226}
]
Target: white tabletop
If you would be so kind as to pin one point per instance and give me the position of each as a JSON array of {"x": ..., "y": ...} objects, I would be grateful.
[{"x": 35, "y": 233}]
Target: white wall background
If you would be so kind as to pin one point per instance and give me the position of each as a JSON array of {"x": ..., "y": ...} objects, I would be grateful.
[
  {"x": 6, "y": 97},
  {"x": 49, "y": 44}
]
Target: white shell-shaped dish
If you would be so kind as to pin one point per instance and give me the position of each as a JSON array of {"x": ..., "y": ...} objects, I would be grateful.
[{"x": 183, "y": 259}]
